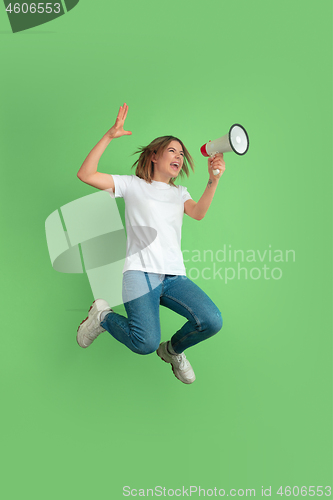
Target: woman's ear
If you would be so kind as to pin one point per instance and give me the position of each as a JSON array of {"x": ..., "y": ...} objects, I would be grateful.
[{"x": 153, "y": 158}]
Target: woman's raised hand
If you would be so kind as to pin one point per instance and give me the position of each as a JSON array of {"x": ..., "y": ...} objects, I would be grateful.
[{"x": 118, "y": 128}]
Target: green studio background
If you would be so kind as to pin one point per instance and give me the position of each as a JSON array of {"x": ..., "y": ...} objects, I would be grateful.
[{"x": 85, "y": 423}]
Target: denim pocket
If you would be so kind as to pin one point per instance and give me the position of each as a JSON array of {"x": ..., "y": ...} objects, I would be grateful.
[{"x": 134, "y": 285}]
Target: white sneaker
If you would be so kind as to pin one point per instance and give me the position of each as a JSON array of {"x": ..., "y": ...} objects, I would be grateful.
[
  {"x": 90, "y": 327},
  {"x": 180, "y": 365}
]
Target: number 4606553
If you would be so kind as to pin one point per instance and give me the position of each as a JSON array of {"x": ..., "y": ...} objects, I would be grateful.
[{"x": 34, "y": 8}]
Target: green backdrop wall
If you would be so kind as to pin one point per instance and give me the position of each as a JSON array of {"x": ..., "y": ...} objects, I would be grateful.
[{"x": 86, "y": 423}]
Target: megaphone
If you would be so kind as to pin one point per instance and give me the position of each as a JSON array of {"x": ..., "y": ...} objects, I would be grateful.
[{"x": 235, "y": 140}]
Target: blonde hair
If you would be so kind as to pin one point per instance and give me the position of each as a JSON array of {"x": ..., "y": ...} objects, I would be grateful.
[{"x": 145, "y": 166}]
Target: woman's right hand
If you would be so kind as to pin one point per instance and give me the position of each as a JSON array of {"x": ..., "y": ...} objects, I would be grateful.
[{"x": 118, "y": 128}]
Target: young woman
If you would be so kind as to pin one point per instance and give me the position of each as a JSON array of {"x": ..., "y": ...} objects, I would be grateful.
[{"x": 154, "y": 272}]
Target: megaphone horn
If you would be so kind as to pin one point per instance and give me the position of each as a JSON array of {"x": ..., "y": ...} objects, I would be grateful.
[{"x": 236, "y": 140}]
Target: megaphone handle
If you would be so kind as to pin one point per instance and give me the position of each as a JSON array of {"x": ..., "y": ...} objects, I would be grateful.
[{"x": 216, "y": 171}]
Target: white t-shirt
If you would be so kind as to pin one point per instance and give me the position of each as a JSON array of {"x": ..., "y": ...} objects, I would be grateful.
[{"x": 153, "y": 215}]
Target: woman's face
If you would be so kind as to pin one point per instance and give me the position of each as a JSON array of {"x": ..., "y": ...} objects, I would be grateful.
[{"x": 170, "y": 162}]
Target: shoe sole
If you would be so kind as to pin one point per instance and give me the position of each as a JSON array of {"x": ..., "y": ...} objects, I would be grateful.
[{"x": 173, "y": 369}]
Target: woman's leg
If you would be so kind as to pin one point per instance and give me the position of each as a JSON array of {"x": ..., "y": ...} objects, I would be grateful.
[
  {"x": 140, "y": 331},
  {"x": 184, "y": 297}
]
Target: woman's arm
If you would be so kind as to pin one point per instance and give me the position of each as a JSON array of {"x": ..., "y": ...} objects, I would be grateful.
[
  {"x": 88, "y": 171},
  {"x": 198, "y": 210}
]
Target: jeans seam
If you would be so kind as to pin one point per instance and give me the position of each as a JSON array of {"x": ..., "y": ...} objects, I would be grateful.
[
  {"x": 183, "y": 338},
  {"x": 129, "y": 336},
  {"x": 188, "y": 309},
  {"x": 121, "y": 328}
]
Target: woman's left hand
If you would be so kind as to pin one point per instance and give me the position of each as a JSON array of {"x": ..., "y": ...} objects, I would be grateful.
[{"x": 216, "y": 162}]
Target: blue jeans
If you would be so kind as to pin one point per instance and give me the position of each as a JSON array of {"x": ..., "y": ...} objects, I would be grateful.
[{"x": 142, "y": 295}]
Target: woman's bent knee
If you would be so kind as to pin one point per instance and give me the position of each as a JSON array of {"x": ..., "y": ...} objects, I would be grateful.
[
  {"x": 147, "y": 347},
  {"x": 215, "y": 322}
]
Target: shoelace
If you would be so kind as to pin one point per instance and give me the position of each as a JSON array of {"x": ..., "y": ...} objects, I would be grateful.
[{"x": 181, "y": 358}]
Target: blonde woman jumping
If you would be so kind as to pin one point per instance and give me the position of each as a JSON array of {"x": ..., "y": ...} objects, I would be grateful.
[{"x": 154, "y": 273}]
